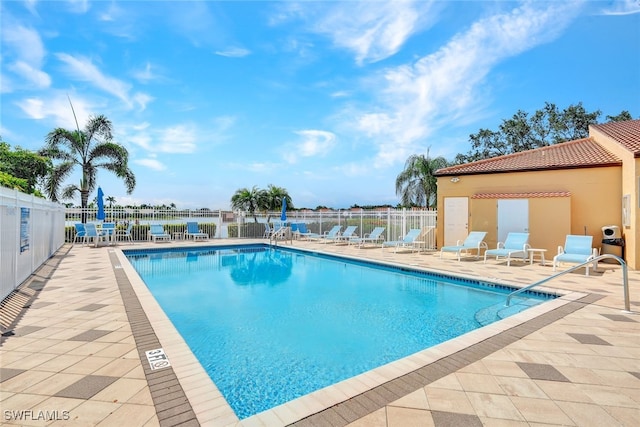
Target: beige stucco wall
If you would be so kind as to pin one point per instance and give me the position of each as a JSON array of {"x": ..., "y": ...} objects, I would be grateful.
[
  {"x": 594, "y": 202},
  {"x": 544, "y": 234},
  {"x": 630, "y": 184}
]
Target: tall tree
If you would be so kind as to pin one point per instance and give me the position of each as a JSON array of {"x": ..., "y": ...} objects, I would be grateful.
[
  {"x": 523, "y": 132},
  {"x": 92, "y": 149},
  {"x": 622, "y": 117},
  {"x": 416, "y": 184},
  {"x": 250, "y": 200},
  {"x": 272, "y": 200},
  {"x": 25, "y": 165}
]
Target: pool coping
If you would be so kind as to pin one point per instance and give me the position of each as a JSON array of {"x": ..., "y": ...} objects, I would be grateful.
[{"x": 350, "y": 399}]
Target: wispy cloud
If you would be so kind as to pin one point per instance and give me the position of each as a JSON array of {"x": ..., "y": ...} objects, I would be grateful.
[
  {"x": 83, "y": 69},
  {"x": 233, "y": 52},
  {"x": 178, "y": 139},
  {"x": 623, "y": 7},
  {"x": 151, "y": 163},
  {"x": 147, "y": 74},
  {"x": 57, "y": 109},
  {"x": 373, "y": 31},
  {"x": 32, "y": 75},
  {"x": 23, "y": 53},
  {"x": 78, "y": 6},
  {"x": 439, "y": 88},
  {"x": 312, "y": 143}
]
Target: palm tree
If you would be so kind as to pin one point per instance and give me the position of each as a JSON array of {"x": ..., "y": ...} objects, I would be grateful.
[
  {"x": 111, "y": 200},
  {"x": 416, "y": 185},
  {"x": 91, "y": 149},
  {"x": 273, "y": 199},
  {"x": 249, "y": 200}
]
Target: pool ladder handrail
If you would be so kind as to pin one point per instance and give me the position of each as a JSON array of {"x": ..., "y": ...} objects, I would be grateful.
[{"x": 625, "y": 279}]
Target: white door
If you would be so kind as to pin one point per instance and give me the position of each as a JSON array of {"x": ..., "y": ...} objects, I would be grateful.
[
  {"x": 513, "y": 216},
  {"x": 456, "y": 219}
]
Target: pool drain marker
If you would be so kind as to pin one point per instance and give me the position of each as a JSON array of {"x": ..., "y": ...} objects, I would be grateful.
[{"x": 157, "y": 359}]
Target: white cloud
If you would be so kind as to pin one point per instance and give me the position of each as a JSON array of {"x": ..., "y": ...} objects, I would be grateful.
[
  {"x": 38, "y": 79},
  {"x": 438, "y": 88},
  {"x": 25, "y": 43},
  {"x": 233, "y": 52},
  {"x": 373, "y": 31},
  {"x": 151, "y": 163},
  {"x": 83, "y": 69},
  {"x": 78, "y": 6},
  {"x": 312, "y": 143},
  {"x": 24, "y": 53},
  {"x": 146, "y": 74},
  {"x": 57, "y": 108},
  {"x": 622, "y": 7},
  {"x": 178, "y": 139}
]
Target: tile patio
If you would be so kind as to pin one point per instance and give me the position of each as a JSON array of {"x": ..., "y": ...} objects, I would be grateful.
[{"x": 75, "y": 336}]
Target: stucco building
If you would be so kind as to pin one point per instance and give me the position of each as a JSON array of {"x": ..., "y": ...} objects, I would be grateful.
[{"x": 576, "y": 187}]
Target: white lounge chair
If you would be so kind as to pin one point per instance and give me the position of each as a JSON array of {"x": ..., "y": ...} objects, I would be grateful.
[
  {"x": 346, "y": 235},
  {"x": 576, "y": 250},
  {"x": 409, "y": 241},
  {"x": 473, "y": 242},
  {"x": 516, "y": 244},
  {"x": 329, "y": 235},
  {"x": 374, "y": 237}
]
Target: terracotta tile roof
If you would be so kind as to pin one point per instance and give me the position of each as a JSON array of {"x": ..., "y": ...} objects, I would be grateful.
[
  {"x": 626, "y": 133},
  {"x": 529, "y": 195},
  {"x": 572, "y": 154}
]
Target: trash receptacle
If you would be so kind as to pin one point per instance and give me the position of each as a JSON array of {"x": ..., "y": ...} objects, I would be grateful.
[{"x": 612, "y": 243}]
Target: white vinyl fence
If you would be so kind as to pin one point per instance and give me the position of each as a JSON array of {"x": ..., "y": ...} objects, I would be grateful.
[{"x": 31, "y": 231}]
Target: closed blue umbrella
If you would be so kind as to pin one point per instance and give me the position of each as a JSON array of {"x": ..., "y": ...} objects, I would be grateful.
[
  {"x": 283, "y": 215},
  {"x": 100, "y": 215}
]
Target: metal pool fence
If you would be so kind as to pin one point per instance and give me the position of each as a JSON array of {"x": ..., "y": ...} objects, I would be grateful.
[{"x": 227, "y": 224}]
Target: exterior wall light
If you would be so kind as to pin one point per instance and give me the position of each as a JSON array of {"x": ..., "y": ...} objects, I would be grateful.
[{"x": 455, "y": 179}]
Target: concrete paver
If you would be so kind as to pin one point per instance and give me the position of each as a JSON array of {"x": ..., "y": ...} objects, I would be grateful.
[{"x": 78, "y": 353}]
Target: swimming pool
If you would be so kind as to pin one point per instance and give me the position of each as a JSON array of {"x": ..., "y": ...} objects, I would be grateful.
[{"x": 271, "y": 325}]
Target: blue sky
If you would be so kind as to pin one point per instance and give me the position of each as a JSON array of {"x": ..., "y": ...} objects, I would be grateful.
[{"x": 326, "y": 99}]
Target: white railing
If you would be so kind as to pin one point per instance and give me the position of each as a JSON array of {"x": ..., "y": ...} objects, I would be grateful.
[
  {"x": 397, "y": 222},
  {"x": 31, "y": 231},
  {"x": 213, "y": 222},
  {"x": 224, "y": 224}
]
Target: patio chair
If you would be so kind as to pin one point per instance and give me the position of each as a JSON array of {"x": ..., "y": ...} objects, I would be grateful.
[
  {"x": 409, "y": 241},
  {"x": 81, "y": 233},
  {"x": 473, "y": 242},
  {"x": 110, "y": 229},
  {"x": 92, "y": 233},
  {"x": 345, "y": 236},
  {"x": 156, "y": 232},
  {"x": 195, "y": 232},
  {"x": 125, "y": 233},
  {"x": 374, "y": 237},
  {"x": 329, "y": 235},
  {"x": 576, "y": 250},
  {"x": 267, "y": 231},
  {"x": 516, "y": 244},
  {"x": 301, "y": 232}
]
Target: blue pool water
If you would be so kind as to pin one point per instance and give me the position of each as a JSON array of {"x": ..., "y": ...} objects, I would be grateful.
[{"x": 270, "y": 325}]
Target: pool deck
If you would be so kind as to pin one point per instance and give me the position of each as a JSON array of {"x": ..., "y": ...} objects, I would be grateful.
[{"x": 75, "y": 335}]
